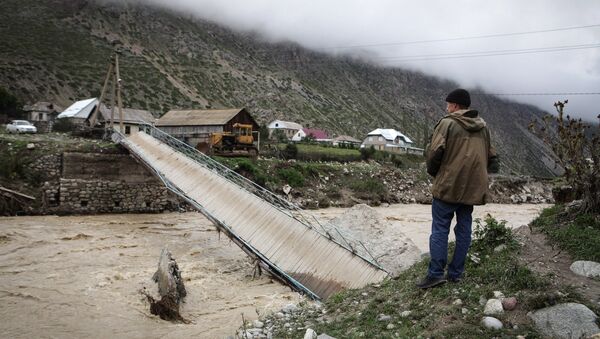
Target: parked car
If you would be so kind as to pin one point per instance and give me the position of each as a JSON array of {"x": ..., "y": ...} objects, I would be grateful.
[{"x": 20, "y": 126}]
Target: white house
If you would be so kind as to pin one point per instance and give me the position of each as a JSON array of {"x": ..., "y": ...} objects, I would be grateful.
[
  {"x": 390, "y": 140},
  {"x": 289, "y": 129}
]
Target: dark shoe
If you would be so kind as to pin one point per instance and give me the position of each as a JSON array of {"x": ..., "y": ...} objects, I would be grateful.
[
  {"x": 455, "y": 280},
  {"x": 429, "y": 282}
]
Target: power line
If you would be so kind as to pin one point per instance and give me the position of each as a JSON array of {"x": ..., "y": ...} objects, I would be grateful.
[
  {"x": 538, "y": 94},
  {"x": 490, "y": 53},
  {"x": 486, "y": 36}
]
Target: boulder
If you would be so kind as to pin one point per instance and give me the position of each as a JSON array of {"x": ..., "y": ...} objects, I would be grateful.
[
  {"x": 491, "y": 322},
  {"x": 509, "y": 304},
  {"x": 310, "y": 334},
  {"x": 569, "y": 320},
  {"x": 493, "y": 307},
  {"x": 588, "y": 269}
]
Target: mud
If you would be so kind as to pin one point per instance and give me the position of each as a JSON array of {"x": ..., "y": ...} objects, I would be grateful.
[{"x": 81, "y": 276}]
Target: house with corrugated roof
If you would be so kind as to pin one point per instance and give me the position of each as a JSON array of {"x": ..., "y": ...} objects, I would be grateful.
[
  {"x": 81, "y": 111},
  {"x": 132, "y": 118},
  {"x": 196, "y": 126},
  {"x": 288, "y": 128},
  {"x": 42, "y": 114},
  {"x": 317, "y": 134},
  {"x": 345, "y": 141},
  {"x": 390, "y": 140}
]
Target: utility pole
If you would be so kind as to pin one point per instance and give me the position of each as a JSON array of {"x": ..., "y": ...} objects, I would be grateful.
[{"x": 119, "y": 102}]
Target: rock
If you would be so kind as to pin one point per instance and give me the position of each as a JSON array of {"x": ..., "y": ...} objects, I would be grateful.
[
  {"x": 457, "y": 302},
  {"x": 383, "y": 317},
  {"x": 405, "y": 314},
  {"x": 325, "y": 336},
  {"x": 493, "y": 307},
  {"x": 498, "y": 295},
  {"x": 290, "y": 308},
  {"x": 464, "y": 310},
  {"x": 491, "y": 322},
  {"x": 584, "y": 268},
  {"x": 390, "y": 326},
  {"x": 569, "y": 320},
  {"x": 258, "y": 324},
  {"x": 500, "y": 248},
  {"x": 287, "y": 189},
  {"x": 509, "y": 304},
  {"x": 30, "y": 146},
  {"x": 279, "y": 315},
  {"x": 482, "y": 300},
  {"x": 310, "y": 334}
]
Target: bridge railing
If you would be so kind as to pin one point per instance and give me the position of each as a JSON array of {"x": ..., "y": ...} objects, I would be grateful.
[{"x": 285, "y": 206}]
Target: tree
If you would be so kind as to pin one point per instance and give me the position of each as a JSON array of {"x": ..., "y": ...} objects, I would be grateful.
[
  {"x": 578, "y": 154},
  {"x": 9, "y": 104}
]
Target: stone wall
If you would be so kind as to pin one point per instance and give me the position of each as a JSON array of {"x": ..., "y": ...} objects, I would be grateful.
[
  {"x": 83, "y": 183},
  {"x": 104, "y": 196}
]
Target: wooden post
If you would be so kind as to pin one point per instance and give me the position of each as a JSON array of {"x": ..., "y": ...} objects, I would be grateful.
[
  {"x": 94, "y": 116},
  {"x": 119, "y": 102},
  {"x": 112, "y": 105}
]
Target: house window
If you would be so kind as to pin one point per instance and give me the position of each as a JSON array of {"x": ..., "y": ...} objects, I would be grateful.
[
  {"x": 380, "y": 138},
  {"x": 370, "y": 138},
  {"x": 127, "y": 129}
]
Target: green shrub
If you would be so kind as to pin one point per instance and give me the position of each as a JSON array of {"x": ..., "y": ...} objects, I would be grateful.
[
  {"x": 292, "y": 176},
  {"x": 491, "y": 234},
  {"x": 290, "y": 151},
  {"x": 367, "y": 153}
]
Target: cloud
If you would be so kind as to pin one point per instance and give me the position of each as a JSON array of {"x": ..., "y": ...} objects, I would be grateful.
[{"x": 325, "y": 25}]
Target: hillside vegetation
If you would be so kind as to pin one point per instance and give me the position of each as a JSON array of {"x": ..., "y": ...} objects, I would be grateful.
[{"x": 58, "y": 51}]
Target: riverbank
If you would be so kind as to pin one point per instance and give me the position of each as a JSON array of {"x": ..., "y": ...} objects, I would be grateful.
[{"x": 82, "y": 275}]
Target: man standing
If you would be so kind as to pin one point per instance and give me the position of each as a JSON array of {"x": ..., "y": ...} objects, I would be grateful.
[{"x": 459, "y": 157}]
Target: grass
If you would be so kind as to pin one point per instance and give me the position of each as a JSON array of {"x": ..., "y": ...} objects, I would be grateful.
[
  {"x": 435, "y": 313},
  {"x": 579, "y": 235}
]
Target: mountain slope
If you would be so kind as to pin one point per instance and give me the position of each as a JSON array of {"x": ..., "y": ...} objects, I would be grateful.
[{"x": 58, "y": 51}]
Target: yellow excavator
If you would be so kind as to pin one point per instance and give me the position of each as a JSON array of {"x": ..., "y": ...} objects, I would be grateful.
[{"x": 238, "y": 143}]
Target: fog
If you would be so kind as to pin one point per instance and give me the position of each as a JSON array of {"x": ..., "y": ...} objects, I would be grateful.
[{"x": 530, "y": 47}]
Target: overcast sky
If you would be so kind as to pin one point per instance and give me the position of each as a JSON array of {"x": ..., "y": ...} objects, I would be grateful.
[{"x": 326, "y": 24}]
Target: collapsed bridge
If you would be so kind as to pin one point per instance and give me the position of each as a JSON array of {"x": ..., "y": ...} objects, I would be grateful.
[{"x": 288, "y": 242}]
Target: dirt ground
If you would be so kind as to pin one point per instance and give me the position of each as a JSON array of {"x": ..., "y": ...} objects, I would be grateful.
[
  {"x": 81, "y": 276},
  {"x": 545, "y": 259}
]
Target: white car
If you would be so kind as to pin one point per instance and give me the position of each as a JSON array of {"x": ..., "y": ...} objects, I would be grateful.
[{"x": 20, "y": 126}]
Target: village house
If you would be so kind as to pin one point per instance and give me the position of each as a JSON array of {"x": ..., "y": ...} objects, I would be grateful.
[
  {"x": 390, "y": 140},
  {"x": 80, "y": 112},
  {"x": 195, "y": 126},
  {"x": 287, "y": 128},
  {"x": 132, "y": 118},
  {"x": 345, "y": 141},
  {"x": 318, "y": 135},
  {"x": 42, "y": 114}
]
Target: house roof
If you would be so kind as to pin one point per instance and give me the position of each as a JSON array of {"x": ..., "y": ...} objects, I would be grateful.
[
  {"x": 316, "y": 133},
  {"x": 346, "y": 138},
  {"x": 129, "y": 115},
  {"x": 389, "y": 134},
  {"x": 80, "y": 109},
  {"x": 285, "y": 125},
  {"x": 198, "y": 117},
  {"x": 43, "y": 106}
]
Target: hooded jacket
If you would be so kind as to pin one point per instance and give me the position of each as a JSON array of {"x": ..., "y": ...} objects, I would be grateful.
[{"x": 459, "y": 157}]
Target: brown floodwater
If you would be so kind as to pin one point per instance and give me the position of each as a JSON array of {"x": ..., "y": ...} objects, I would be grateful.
[{"x": 81, "y": 276}]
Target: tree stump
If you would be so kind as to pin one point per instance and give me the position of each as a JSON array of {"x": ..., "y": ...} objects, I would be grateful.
[{"x": 170, "y": 288}]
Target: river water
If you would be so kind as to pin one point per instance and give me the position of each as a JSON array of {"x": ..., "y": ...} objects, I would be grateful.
[{"x": 81, "y": 276}]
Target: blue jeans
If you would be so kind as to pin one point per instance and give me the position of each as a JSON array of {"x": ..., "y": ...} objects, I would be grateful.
[{"x": 442, "y": 214}]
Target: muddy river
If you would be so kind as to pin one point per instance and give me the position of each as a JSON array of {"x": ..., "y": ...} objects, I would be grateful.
[{"x": 81, "y": 276}]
